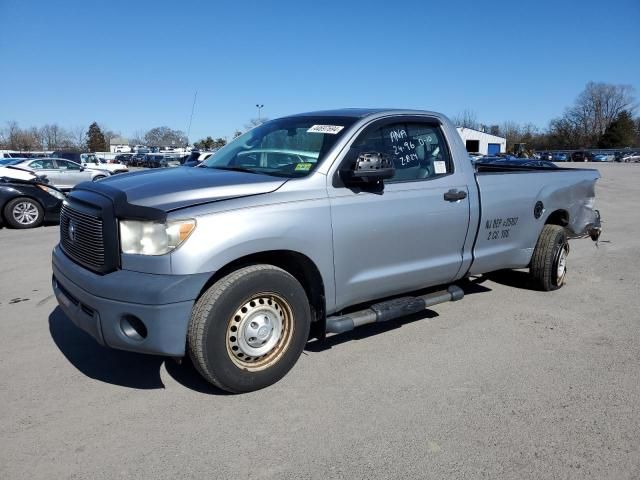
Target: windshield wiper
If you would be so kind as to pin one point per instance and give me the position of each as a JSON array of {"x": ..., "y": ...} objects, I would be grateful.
[{"x": 237, "y": 169}]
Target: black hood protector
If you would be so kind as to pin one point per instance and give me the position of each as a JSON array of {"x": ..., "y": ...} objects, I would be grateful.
[{"x": 151, "y": 194}]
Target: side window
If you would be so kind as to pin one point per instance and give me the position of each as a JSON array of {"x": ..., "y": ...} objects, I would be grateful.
[
  {"x": 418, "y": 150},
  {"x": 66, "y": 165},
  {"x": 42, "y": 164}
]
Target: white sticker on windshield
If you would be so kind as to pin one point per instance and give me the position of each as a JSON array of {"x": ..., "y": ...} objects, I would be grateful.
[
  {"x": 440, "y": 167},
  {"x": 331, "y": 129}
]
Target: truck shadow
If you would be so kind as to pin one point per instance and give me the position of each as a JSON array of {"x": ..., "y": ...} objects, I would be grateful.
[
  {"x": 141, "y": 371},
  {"x": 117, "y": 367},
  {"x": 512, "y": 278}
]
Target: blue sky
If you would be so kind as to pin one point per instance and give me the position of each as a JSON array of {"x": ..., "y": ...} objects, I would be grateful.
[{"x": 134, "y": 65}]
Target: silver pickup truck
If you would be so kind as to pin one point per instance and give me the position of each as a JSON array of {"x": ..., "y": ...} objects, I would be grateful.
[{"x": 309, "y": 224}]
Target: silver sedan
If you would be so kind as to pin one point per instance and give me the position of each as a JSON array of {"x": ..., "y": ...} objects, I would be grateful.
[{"x": 61, "y": 173}]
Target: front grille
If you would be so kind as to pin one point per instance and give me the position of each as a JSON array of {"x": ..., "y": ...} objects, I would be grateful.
[{"x": 87, "y": 245}]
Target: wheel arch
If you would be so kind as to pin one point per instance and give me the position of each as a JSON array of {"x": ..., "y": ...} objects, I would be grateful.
[
  {"x": 558, "y": 217},
  {"x": 301, "y": 267}
]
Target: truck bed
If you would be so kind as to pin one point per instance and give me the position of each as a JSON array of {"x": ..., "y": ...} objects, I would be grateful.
[{"x": 516, "y": 202}]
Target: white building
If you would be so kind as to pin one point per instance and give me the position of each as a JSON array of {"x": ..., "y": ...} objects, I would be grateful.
[
  {"x": 119, "y": 145},
  {"x": 482, "y": 142}
]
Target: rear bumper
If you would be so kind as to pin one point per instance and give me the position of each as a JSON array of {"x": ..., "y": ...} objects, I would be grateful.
[{"x": 103, "y": 306}]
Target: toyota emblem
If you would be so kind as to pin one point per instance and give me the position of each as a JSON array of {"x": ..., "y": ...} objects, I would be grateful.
[{"x": 72, "y": 231}]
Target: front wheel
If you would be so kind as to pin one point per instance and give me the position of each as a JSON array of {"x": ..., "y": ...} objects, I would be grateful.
[
  {"x": 549, "y": 261},
  {"x": 23, "y": 212},
  {"x": 249, "y": 328}
]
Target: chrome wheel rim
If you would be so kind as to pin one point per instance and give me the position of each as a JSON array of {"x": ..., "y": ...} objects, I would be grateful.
[
  {"x": 25, "y": 213},
  {"x": 561, "y": 269},
  {"x": 259, "y": 332}
]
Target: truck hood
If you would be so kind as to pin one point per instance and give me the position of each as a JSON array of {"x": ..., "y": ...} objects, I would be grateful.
[{"x": 170, "y": 189}]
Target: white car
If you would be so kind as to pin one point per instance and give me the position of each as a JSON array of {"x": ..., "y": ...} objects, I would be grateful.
[
  {"x": 17, "y": 174},
  {"x": 631, "y": 157},
  {"x": 99, "y": 164}
]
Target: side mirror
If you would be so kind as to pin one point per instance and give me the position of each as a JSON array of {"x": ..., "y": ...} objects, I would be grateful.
[
  {"x": 82, "y": 168},
  {"x": 368, "y": 167}
]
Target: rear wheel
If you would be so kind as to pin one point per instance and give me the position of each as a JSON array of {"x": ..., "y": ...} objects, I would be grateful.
[
  {"x": 549, "y": 261},
  {"x": 249, "y": 328},
  {"x": 23, "y": 212}
]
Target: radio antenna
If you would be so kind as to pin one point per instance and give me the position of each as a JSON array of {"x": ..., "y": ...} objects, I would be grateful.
[{"x": 191, "y": 117}]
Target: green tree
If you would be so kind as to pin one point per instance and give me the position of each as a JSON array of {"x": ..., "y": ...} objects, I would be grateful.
[
  {"x": 205, "y": 143},
  {"x": 620, "y": 133},
  {"x": 209, "y": 143},
  {"x": 95, "y": 139}
]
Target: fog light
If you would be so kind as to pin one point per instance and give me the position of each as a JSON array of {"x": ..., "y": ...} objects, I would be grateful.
[{"x": 133, "y": 327}]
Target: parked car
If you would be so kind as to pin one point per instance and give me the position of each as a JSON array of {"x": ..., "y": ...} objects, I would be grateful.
[
  {"x": 475, "y": 156},
  {"x": 5, "y": 162},
  {"x": 154, "y": 160},
  {"x": 137, "y": 160},
  {"x": 516, "y": 162},
  {"x": 581, "y": 156},
  {"x": 62, "y": 173},
  {"x": 100, "y": 164},
  {"x": 631, "y": 157},
  {"x": 559, "y": 157},
  {"x": 602, "y": 157},
  {"x": 545, "y": 156},
  {"x": 314, "y": 222},
  {"x": 25, "y": 200},
  {"x": 195, "y": 158},
  {"x": 124, "y": 158}
]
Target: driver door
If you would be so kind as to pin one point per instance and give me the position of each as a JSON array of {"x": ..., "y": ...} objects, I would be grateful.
[{"x": 407, "y": 236}]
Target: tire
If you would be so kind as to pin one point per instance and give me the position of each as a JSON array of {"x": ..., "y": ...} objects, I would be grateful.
[
  {"x": 23, "y": 212},
  {"x": 549, "y": 261},
  {"x": 249, "y": 328}
]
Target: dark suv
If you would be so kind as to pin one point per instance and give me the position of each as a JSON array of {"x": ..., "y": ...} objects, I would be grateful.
[{"x": 581, "y": 156}]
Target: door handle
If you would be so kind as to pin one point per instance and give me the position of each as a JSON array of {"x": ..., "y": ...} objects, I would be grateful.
[{"x": 455, "y": 195}]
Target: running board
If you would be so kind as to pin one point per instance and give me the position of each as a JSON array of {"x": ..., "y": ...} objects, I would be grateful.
[{"x": 399, "y": 307}]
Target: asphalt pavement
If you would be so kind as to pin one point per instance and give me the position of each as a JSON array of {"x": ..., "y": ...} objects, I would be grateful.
[{"x": 508, "y": 383}]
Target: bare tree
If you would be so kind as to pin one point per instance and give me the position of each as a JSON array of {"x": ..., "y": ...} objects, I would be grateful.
[
  {"x": 254, "y": 122},
  {"x": 137, "y": 138},
  {"x": 108, "y": 135},
  {"x": 584, "y": 123},
  {"x": 165, "y": 137},
  {"x": 466, "y": 119},
  {"x": 78, "y": 138},
  {"x": 55, "y": 137},
  {"x": 12, "y": 133}
]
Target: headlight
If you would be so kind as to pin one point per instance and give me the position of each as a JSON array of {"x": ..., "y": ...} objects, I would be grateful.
[
  {"x": 153, "y": 238},
  {"x": 52, "y": 191}
]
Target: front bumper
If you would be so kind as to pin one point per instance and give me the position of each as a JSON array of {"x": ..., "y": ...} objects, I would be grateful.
[
  {"x": 104, "y": 305},
  {"x": 52, "y": 212}
]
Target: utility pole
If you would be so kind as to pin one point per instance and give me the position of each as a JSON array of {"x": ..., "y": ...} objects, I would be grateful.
[{"x": 259, "y": 106}]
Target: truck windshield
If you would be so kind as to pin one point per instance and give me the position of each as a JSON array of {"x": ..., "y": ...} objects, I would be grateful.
[{"x": 288, "y": 147}]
